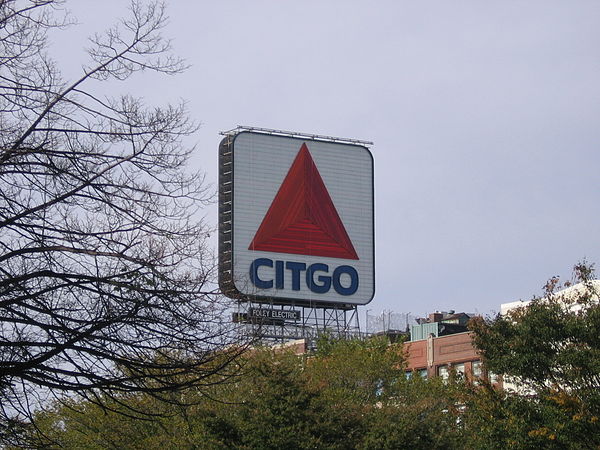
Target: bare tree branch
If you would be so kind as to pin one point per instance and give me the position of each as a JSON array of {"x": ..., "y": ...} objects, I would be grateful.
[{"x": 105, "y": 273}]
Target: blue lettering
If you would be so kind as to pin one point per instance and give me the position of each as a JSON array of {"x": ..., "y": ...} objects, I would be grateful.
[
  {"x": 295, "y": 268},
  {"x": 325, "y": 281},
  {"x": 278, "y": 274},
  {"x": 345, "y": 279},
  {"x": 261, "y": 284},
  {"x": 337, "y": 285}
]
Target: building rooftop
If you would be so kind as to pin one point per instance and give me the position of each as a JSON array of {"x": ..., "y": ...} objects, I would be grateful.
[{"x": 440, "y": 323}]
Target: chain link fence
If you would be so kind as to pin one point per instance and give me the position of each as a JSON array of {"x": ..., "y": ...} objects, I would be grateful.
[{"x": 388, "y": 320}]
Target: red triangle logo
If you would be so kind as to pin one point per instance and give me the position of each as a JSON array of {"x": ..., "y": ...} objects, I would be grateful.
[{"x": 302, "y": 218}]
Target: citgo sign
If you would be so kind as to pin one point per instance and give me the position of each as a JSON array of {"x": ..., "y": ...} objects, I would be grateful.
[{"x": 296, "y": 222}]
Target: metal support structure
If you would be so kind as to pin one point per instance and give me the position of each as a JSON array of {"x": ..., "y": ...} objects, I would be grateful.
[{"x": 313, "y": 321}]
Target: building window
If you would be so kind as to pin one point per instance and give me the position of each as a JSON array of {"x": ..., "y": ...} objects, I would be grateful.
[
  {"x": 476, "y": 369},
  {"x": 443, "y": 372},
  {"x": 459, "y": 369},
  {"x": 421, "y": 372},
  {"x": 477, "y": 372},
  {"x": 493, "y": 377}
]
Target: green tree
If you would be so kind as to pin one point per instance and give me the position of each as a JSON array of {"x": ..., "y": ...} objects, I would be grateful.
[
  {"x": 416, "y": 413},
  {"x": 354, "y": 394},
  {"x": 280, "y": 409},
  {"x": 550, "y": 350},
  {"x": 356, "y": 371},
  {"x": 350, "y": 394},
  {"x": 270, "y": 405}
]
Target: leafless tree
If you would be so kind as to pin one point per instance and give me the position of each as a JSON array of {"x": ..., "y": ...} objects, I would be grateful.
[{"x": 104, "y": 266}]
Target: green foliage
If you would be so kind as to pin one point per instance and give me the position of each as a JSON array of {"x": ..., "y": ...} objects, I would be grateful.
[
  {"x": 279, "y": 410},
  {"x": 416, "y": 413},
  {"x": 356, "y": 371},
  {"x": 550, "y": 349},
  {"x": 76, "y": 425},
  {"x": 350, "y": 394},
  {"x": 545, "y": 342},
  {"x": 353, "y": 394}
]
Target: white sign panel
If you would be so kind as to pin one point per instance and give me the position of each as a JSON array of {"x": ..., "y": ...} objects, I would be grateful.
[{"x": 302, "y": 220}]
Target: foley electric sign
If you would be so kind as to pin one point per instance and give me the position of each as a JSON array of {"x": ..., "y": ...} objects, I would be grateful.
[{"x": 296, "y": 220}]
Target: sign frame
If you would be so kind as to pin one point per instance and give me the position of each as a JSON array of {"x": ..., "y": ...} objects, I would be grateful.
[{"x": 227, "y": 165}]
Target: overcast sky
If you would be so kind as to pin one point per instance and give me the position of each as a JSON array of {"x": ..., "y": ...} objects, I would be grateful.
[{"x": 485, "y": 118}]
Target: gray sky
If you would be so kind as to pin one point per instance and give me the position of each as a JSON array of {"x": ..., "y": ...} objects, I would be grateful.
[{"x": 485, "y": 119}]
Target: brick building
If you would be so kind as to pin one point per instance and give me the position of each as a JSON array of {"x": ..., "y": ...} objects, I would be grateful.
[
  {"x": 442, "y": 342},
  {"x": 436, "y": 344}
]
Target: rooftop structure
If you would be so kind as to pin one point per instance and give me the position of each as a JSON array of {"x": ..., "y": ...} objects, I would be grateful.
[{"x": 439, "y": 323}]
